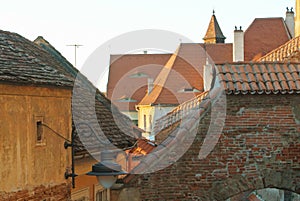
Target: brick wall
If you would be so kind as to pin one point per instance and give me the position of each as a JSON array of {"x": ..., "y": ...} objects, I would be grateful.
[
  {"x": 41, "y": 193},
  {"x": 258, "y": 148}
]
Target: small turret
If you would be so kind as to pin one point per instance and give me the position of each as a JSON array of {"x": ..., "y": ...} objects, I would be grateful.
[{"x": 214, "y": 33}]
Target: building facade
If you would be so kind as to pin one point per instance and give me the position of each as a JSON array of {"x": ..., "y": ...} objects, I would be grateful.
[{"x": 35, "y": 97}]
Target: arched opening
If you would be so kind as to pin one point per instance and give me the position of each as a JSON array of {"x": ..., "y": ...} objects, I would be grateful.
[{"x": 266, "y": 194}]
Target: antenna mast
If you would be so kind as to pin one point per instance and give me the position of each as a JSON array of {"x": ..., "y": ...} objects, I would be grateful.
[{"x": 75, "y": 47}]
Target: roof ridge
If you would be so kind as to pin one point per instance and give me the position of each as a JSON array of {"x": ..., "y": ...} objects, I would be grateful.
[
  {"x": 269, "y": 56},
  {"x": 179, "y": 112},
  {"x": 264, "y": 78},
  {"x": 160, "y": 81}
]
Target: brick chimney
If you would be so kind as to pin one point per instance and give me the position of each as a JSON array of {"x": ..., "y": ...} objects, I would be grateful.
[
  {"x": 297, "y": 21},
  {"x": 238, "y": 45},
  {"x": 290, "y": 21}
]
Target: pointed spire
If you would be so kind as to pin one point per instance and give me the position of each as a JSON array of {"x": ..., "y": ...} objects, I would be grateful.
[{"x": 214, "y": 33}]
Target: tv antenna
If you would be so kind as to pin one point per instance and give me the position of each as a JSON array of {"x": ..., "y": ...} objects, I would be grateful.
[{"x": 75, "y": 47}]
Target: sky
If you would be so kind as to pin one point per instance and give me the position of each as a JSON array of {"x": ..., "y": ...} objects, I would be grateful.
[{"x": 91, "y": 23}]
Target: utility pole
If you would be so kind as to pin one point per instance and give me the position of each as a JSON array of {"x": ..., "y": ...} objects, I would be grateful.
[{"x": 75, "y": 47}]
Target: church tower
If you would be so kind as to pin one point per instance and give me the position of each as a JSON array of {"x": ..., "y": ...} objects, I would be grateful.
[
  {"x": 214, "y": 33},
  {"x": 297, "y": 20}
]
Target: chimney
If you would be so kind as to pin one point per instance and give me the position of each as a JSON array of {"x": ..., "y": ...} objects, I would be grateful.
[
  {"x": 150, "y": 85},
  {"x": 208, "y": 76},
  {"x": 297, "y": 21},
  {"x": 238, "y": 45},
  {"x": 290, "y": 21}
]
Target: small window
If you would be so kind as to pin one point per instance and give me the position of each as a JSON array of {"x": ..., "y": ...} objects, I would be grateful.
[
  {"x": 39, "y": 131},
  {"x": 138, "y": 75},
  {"x": 145, "y": 122},
  {"x": 150, "y": 121},
  {"x": 126, "y": 100},
  {"x": 101, "y": 195},
  {"x": 189, "y": 90}
]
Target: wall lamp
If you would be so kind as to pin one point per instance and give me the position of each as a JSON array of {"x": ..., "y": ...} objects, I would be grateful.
[{"x": 106, "y": 171}]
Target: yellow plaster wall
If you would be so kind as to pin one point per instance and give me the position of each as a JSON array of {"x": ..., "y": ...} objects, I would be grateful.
[
  {"x": 87, "y": 186},
  {"x": 83, "y": 182},
  {"x": 24, "y": 162},
  {"x": 297, "y": 20},
  {"x": 144, "y": 110}
]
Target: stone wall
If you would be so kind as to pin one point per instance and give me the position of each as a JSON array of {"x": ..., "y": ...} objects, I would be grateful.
[
  {"x": 44, "y": 193},
  {"x": 258, "y": 148}
]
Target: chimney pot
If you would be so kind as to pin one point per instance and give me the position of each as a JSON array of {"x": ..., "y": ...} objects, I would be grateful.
[{"x": 290, "y": 21}]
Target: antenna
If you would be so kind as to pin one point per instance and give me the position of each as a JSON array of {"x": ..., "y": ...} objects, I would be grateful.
[{"x": 75, "y": 47}]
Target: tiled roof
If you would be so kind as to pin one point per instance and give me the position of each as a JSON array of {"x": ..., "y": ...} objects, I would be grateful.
[
  {"x": 179, "y": 135},
  {"x": 290, "y": 51},
  {"x": 182, "y": 71},
  {"x": 23, "y": 62},
  {"x": 260, "y": 78},
  {"x": 128, "y": 74},
  {"x": 128, "y": 77},
  {"x": 178, "y": 113},
  {"x": 263, "y": 36},
  {"x": 214, "y": 33},
  {"x": 118, "y": 128},
  {"x": 143, "y": 147},
  {"x": 219, "y": 53}
]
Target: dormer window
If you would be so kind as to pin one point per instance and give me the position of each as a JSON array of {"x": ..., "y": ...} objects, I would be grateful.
[
  {"x": 138, "y": 75},
  {"x": 126, "y": 100},
  {"x": 188, "y": 90}
]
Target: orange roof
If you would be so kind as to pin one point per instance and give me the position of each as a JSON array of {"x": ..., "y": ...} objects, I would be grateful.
[
  {"x": 182, "y": 71},
  {"x": 264, "y": 35},
  {"x": 220, "y": 52},
  {"x": 122, "y": 85},
  {"x": 128, "y": 76},
  {"x": 143, "y": 147},
  {"x": 260, "y": 78},
  {"x": 286, "y": 52}
]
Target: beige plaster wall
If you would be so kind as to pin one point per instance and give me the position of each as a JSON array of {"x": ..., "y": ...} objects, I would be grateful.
[{"x": 26, "y": 163}]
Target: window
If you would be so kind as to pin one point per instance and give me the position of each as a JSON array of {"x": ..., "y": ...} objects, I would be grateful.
[
  {"x": 150, "y": 121},
  {"x": 39, "y": 131},
  {"x": 145, "y": 122},
  {"x": 101, "y": 194},
  {"x": 138, "y": 75},
  {"x": 124, "y": 99},
  {"x": 189, "y": 90},
  {"x": 39, "y": 135}
]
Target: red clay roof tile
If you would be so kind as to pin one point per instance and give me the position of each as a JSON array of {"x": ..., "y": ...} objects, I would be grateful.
[
  {"x": 260, "y": 78},
  {"x": 122, "y": 64},
  {"x": 286, "y": 52},
  {"x": 182, "y": 71},
  {"x": 122, "y": 81},
  {"x": 263, "y": 36}
]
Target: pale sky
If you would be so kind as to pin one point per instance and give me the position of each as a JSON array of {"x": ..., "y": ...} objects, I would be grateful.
[{"x": 93, "y": 22}]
